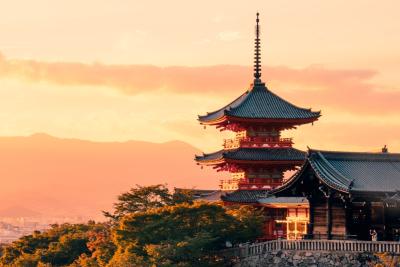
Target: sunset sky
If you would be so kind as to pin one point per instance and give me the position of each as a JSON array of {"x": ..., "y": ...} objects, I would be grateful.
[{"x": 143, "y": 70}]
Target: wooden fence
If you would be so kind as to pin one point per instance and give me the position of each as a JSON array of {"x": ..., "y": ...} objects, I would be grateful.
[{"x": 247, "y": 250}]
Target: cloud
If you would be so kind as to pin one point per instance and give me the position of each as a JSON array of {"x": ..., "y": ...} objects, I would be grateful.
[
  {"x": 347, "y": 90},
  {"x": 129, "y": 79}
]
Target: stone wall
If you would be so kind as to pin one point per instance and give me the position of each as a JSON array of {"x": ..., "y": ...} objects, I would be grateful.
[{"x": 317, "y": 259}]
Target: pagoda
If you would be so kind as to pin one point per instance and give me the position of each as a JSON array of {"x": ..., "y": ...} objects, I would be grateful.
[{"x": 257, "y": 157}]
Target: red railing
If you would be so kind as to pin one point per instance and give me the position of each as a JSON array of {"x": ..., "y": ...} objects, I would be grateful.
[
  {"x": 228, "y": 184},
  {"x": 258, "y": 183},
  {"x": 259, "y": 142},
  {"x": 255, "y": 184}
]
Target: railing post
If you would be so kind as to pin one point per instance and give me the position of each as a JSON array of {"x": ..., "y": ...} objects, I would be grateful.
[
  {"x": 255, "y": 249},
  {"x": 247, "y": 250}
]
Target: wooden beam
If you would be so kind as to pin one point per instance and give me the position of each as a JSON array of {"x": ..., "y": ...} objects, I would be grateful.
[
  {"x": 384, "y": 221},
  {"x": 310, "y": 229},
  {"x": 348, "y": 214},
  {"x": 329, "y": 215}
]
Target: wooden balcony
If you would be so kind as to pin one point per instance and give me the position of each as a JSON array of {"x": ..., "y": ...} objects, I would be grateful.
[
  {"x": 230, "y": 184},
  {"x": 258, "y": 142},
  {"x": 257, "y": 184}
]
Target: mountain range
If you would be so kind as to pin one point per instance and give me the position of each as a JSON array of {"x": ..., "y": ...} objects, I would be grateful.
[{"x": 70, "y": 177}]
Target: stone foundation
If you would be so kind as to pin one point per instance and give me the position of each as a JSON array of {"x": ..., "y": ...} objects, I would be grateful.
[{"x": 320, "y": 259}]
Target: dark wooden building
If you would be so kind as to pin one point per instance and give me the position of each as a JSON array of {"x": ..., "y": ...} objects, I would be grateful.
[{"x": 350, "y": 194}]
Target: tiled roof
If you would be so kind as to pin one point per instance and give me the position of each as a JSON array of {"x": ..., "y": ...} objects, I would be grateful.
[
  {"x": 261, "y": 103},
  {"x": 245, "y": 196},
  {"x": 211, "y": 195},
  {"x": 353, "y": 171},
  {"x": 283, "y": 200},
  {"x": 255, "y": 154}
]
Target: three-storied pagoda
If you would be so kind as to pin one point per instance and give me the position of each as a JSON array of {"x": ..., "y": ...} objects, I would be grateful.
[{"x": 258, "y": 156}]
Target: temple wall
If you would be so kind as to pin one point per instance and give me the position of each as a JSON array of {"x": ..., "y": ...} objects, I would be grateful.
[
  {"x": 338, "y": 219},
  {"x": 320, "y": 219},
  {"x": 312, "y": 258}
]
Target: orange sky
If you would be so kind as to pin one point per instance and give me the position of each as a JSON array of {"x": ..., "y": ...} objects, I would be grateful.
[{"x": 120, "y": 70}]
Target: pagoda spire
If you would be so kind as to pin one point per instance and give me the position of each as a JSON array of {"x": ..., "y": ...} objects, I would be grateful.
[{"x": 257, "y": 54}]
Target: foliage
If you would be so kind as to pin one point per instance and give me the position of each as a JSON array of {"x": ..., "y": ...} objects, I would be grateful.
[
  {"x": 59, "y": 246},
  {"x": 185, "y": 234},
  {"x": 150, "y": 227},
  {"x": 143, "y": 198}
]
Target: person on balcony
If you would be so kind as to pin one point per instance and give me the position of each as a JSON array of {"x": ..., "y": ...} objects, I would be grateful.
[{"x": 373, "y": 234}]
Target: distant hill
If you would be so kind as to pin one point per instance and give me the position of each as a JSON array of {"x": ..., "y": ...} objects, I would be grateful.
[
  {"x": 18, "y": 211},
  {"x": 72, "y": 177}
]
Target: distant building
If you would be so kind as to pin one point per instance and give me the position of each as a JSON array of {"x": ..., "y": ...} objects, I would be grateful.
[{"x": 258, "y": 156}]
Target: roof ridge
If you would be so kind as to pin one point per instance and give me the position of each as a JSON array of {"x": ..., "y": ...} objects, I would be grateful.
[
  {"x": 243, "y": 101},
  {"x": 351, "y": 152},
  {"x": 358, "y": 156},
  {"x": 290, "y": 103}
]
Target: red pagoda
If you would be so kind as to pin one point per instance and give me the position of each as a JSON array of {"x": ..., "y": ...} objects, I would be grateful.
[{"x": 257, "y": 157}]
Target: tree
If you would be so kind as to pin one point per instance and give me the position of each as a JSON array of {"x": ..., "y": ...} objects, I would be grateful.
[
  {"x": 142, "y": 198},
  {"x": 59, "y": 246},
  {"x": 150, "y": 227},
  {"x": 184, "y": 234},
  {"x": 101, "y": 247}
]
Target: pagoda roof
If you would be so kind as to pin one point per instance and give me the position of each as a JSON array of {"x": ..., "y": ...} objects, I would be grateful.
[
  {"x": 261, "y": 104},
  {"x": 262, "y": 197},
  {"x": 211, "y": 195},
  {"x": 254, "y": 154},
  {"x": 282, "y": 200},
  {"x": 245, "y": 196},
  {"x": 352, "y": 172}
]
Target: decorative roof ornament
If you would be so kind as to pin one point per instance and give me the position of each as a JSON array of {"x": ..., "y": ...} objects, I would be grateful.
[
  {"x": 259, "y": 104},
  {"x": 257, "y": 54}
]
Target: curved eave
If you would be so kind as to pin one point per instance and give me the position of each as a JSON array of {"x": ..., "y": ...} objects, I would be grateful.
[
  {"x": 215, "y": 121},
  {"x": 238, "y": 161},
  {"x": 295, "y": 178},
  {"x": 293, "y": 121},
  {"x": 269, "y": 162},
  {"x": 219, "y": 115},
  {"x": 328, "y": 182},
  {"x": 210, "y": 162},
  {"x": 229, "y": 118}
]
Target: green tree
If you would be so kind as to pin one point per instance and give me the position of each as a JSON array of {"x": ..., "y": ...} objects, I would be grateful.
[
  {"x": 151, "y": 227},
  {"x": 142, "y": 198},
  {"x": 185, "y": 234},
  {"x": 59, "y": 246}
]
